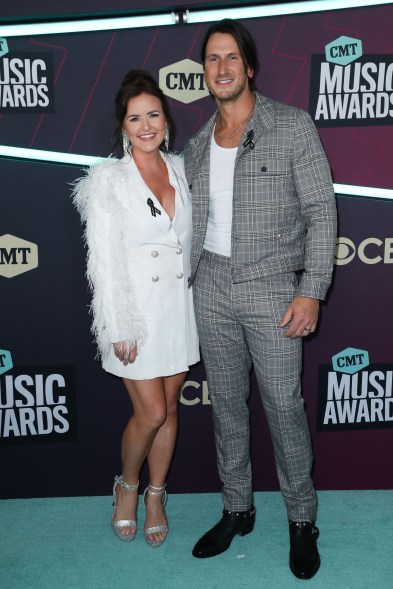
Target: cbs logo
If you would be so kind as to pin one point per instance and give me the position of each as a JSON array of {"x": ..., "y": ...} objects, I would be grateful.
[
  {"x": 369, "y": 251},
  {"x": 194, "y": 393}
]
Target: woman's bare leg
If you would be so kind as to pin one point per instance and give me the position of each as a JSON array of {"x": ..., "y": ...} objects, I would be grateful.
[
  {"x": 154, "y": 417},
  {"x": 149, "y": 412},
  {"x": 161, "y": 452}
]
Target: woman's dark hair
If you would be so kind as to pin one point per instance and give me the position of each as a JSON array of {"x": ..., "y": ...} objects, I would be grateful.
[
  {"x": 244, "y": 41},
  {"x": 138, "y": 82}
]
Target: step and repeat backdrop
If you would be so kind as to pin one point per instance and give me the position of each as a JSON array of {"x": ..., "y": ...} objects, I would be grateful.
[{"x": 61, "y": 415}]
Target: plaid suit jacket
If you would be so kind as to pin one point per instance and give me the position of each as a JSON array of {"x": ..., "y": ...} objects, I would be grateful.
[{"x": 284, "y": 213}]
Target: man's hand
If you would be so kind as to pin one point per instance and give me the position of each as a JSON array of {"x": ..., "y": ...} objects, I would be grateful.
[{"x": 303, "y": 312}]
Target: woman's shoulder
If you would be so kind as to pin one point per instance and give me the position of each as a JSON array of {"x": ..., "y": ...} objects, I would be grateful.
[
  {"x": 177, "y": 161},
  {"x": 99, "y": 172},
  {"x": 108, "y": 168},
  {"x": 98, "y": 179}
]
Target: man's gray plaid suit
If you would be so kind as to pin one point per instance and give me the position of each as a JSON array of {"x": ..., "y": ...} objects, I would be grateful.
[{"x": 284, "y": 220}]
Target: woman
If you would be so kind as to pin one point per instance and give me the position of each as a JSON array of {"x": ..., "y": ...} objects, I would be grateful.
[{"x": 137, "y": 212}]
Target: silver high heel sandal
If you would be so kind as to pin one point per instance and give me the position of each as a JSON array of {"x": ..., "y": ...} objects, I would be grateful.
[
  {"x": 119, "y": 524},
  {"x": 156, "y": 529}
]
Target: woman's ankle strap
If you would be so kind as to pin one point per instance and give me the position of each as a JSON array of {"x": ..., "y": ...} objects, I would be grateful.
[
  {"x": 156, "y": 490},
  {"x": 120, "y": 481}
]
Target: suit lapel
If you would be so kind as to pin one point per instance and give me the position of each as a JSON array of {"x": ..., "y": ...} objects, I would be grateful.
[
  {"x": 200, "y": 189},
  {"x": 200, "y": 183},
  {"x": 261, "y": 122}
]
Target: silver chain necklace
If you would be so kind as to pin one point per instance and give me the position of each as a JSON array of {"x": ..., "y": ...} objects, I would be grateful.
[{"x": 242, "y": 124}]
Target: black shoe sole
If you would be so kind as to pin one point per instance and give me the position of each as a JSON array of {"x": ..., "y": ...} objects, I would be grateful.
[
  {"x": 309, "y": 574},
  {"x": 247, "y": 530}
]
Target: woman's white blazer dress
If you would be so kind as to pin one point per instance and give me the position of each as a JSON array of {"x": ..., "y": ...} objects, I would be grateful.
[{"x": 138, "y": 264}]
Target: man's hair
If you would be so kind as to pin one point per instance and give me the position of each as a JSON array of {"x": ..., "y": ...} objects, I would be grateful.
[{"x": 244, "y": 40}]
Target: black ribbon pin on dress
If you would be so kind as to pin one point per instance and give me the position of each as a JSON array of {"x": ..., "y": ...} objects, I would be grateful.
[{"x": 153, "y": 209}]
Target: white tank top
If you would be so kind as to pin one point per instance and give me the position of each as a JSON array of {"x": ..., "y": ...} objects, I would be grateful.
[{"x": 219, "y": 222}]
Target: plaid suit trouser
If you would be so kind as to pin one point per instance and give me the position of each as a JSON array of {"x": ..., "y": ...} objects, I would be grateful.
[{"x": 239, "y": 326}]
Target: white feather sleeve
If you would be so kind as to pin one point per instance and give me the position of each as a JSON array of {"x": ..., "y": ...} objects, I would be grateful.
[{"x": 116, "y": 316}]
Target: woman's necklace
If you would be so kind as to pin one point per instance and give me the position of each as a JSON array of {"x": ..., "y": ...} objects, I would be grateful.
[{"x": 242, "y": 124}]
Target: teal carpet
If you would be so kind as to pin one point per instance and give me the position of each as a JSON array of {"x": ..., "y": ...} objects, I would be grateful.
[{"x": 67, "y": 543}]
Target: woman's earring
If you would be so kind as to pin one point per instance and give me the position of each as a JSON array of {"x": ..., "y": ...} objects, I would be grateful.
[
  {"x": 126, "y": 142},
  {"x": 166, "y": 139}
]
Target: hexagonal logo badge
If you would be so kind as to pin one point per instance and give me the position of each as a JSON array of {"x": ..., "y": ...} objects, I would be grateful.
[
  {"x": 3, "y": 46},
  {"x": 17, "y": 256},
  {"x": 184, "y": 81},
  {"x": 350, "y": 361},
  {"x": 343, "y": 50},
  {"x": 5, "y": 361}
]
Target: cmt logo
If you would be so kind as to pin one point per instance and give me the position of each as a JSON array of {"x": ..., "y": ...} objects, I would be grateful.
[
  {"x": 350, "y": 361},
  {"x": 5, "y": 361},
  {"x": 184, "y": 81},
  {"x": 3, "y": 46},
  {"x": 17, "y": 256},
  {"x": 369, "y": 251},
  {"x": 343, "y": 50}
]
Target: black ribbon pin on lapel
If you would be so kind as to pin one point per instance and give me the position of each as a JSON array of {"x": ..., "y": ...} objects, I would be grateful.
[
  {"x": 249, "y": 140},
  {"x": 153, "y": 209}
]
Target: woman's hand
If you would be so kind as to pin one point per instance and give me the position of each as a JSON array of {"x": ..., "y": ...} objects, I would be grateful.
[{"x": 125, "y": 354}]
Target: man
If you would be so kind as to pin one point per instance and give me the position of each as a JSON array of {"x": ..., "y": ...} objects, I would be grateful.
[{"x": 263, "y": 210}]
